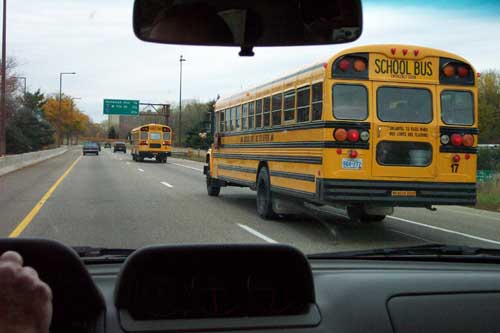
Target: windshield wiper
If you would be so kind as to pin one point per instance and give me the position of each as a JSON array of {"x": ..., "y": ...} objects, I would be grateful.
[
  {"x": 427, "y": 250},
  {"x": 101, "y": 252}
]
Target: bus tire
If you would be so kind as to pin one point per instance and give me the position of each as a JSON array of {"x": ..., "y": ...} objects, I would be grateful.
[
  {"x": 213, "y": 187},
  {"x": 373, "y": 218},
  {"x": 264, "y": 196},
  {"x": 164, "y": 160}
]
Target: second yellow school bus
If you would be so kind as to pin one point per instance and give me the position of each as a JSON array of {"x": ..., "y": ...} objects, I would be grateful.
[
  {"x": 372, "y": 128},
  {"x": 151, "y": 141}
]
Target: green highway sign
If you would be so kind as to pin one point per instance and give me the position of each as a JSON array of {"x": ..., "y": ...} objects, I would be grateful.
[{"x": 124, "y": 107}]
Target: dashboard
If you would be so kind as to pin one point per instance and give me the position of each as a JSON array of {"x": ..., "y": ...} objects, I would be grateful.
[{"x": 260, "y": 288}]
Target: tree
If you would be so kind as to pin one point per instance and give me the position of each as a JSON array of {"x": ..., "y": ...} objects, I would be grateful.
[
  {"x": 489, "y": 106},
  {"x": 112, "y": 133},
  {"x": 69, "y": 121},
  {"x": 34, "y": 101},
  {"x": 27, "y": 132}
]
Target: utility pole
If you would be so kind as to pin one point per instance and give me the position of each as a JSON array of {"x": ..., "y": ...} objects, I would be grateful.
[
  {"x": 3, "y": 111},
  {"x": 181, "y": 60}
]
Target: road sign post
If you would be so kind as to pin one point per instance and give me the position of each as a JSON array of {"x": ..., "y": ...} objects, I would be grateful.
[{"x": 124, "y": 107}]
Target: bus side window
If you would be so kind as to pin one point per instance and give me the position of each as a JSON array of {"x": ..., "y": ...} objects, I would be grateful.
[
  {"x": 258, "y": 113},
  {"x": 237, "y": 117},
  {"x": 233, "y": 118},
  {"x": 244, "y": 112},
  {"x": 267, "y": 111},
  {"x": 251, "y": 114},
  {"x": 303, "y": 102},
  {"x": 277, "y": 106},
  {"x": 289, "y": 112},
  {"x": 317, "y": 101},
  {"x": 144, "y": 135},
  {"x": 221, "y": 121}
]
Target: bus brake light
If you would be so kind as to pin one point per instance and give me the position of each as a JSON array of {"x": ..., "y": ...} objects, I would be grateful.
[
  {"x": 456, "y": 140},
  {"x": 352, "y": 135},
  {"x": 353, "y": 154},
  {"x": 143, "y": 143},
  {"x": 456, "y": 158}
]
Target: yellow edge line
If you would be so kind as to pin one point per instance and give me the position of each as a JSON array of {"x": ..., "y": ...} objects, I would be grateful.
[{"x": 31, "y": 215}]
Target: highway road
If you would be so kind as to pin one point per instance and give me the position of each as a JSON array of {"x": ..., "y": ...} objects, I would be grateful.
[{"x": 111, "y": 201}]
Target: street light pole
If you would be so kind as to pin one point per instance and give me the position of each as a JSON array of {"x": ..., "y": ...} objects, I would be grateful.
[
  {"x": 181, "y": 60},
  {"x": 3, "y": 111},
  {"x": 60, "y": 102}
]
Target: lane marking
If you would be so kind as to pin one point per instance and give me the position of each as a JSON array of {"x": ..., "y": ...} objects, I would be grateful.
[
  {"x": 410, "y": 235},
  {"x": 140, "y": 170},
  {"x": 128, "y": 162},
  {"x": 445, "y": 230},
  {"x": 256, "y": 233},
  {"x": 472, "y": 214},
  {"x": 167, "y": 184},
  {"x": 186, "y": 166},
  {"x": 34, "y": 211}
]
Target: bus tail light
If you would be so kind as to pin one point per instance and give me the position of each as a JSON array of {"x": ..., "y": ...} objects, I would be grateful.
[
  {"x": 339, "y": 151},
  {"x": 143, "y": 143},
  {"x": 166, "y": 143},
  {"x": 456, "y": 140},
  {"x": 364, "y": 135},
  {"x": 353, "y": 135},
  {"x": 468, "y": 140},
  {"x": 445, "y": 139},
  {"x": 340, "y": 134},
  {"x": 467, "y": 156},
  {"x": 353, "y": 154},
  {"x": 456, "y": 158}
]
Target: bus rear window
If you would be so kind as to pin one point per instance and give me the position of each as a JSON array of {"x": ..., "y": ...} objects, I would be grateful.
[
  {"x": 155, "y": 136},
  {"x": 350, "y": 102},
  {"x": 457, "y": 107},
  {"x": 404, "y": 105}
]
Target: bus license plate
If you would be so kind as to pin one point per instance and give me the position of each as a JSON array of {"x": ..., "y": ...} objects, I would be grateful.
[
  {"x": 404, "y": 193},
  {"x": 352, "y": 163}
]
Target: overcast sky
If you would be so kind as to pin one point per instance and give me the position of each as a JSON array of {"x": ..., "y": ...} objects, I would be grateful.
[{"x": 95, "y": 39}]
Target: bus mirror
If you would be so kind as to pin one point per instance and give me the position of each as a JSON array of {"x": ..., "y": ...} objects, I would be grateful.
[{"x": 248, "y": 23}]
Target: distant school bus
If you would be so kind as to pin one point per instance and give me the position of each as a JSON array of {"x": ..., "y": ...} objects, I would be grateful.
[
  {"x": 151, "y": 141},
  {"x": 372, "y": 128}
]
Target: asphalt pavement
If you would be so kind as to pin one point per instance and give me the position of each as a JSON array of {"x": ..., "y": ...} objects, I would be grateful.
[{"x": 111, "y": 201}]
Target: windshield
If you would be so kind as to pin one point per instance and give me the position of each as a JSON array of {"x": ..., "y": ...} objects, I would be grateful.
[{"x": 389, "y": 141}]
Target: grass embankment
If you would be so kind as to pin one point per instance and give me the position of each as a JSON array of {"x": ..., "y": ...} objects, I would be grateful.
[{"x": 488, "y": 195}]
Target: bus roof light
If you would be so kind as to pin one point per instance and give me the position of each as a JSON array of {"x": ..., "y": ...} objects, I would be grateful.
[
  {"x": 456, "y": 140},
  {"x": 353, "y": 135},
  {"x": 393, "y": 50},
  {"x": 405, "y": 51},
  {"x": 325, "y": 65},
  {"x": 415, "y": 52},
  {"x": 359, "y": 65},
  {"x": 449, "y": 70},
  {"x": 340, "y": 134},
  {"x": 463, "y": 71},
  {"x": 344, "y": 64}
]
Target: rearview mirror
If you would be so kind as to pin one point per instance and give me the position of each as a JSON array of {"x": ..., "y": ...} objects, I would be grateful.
[{"x": 248, "y": 23}]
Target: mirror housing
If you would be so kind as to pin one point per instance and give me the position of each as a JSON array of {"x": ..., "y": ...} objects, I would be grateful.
[{"x": 248, "y": 23}]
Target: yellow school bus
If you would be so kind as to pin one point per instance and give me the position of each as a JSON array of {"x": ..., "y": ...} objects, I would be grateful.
[
  {"x": 371, "y": 128},
  {"x": 151, "y": 141}
]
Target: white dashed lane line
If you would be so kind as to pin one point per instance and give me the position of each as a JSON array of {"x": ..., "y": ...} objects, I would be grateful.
[
  {"x": 188, "y": 167},
  {"x": 167, "y": 184},
  {"x": 256, "y": 233},
  {"x": 140, "y": 170}
]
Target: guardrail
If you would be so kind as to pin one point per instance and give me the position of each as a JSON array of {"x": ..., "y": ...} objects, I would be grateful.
[
  {"x": 189, "y": 153},
  {"x": 11, "y": 163}
]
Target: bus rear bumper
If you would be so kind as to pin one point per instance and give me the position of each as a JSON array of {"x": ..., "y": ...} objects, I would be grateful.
[
  {"x": 391, "y": 193},
  {"x": 153, "y": 154}
]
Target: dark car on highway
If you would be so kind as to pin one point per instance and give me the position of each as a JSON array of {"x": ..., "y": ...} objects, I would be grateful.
[
  {"x": 90, "y": 148},
  {"x": 120, "y": 146}
]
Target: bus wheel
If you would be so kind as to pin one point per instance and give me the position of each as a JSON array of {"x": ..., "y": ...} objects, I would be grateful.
[
  {"x": 264, "y": 197},
  {"x": 164, "y": 160},
  {"x": 213, "y": 187},
  {"x": 373, "y": 218}
]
